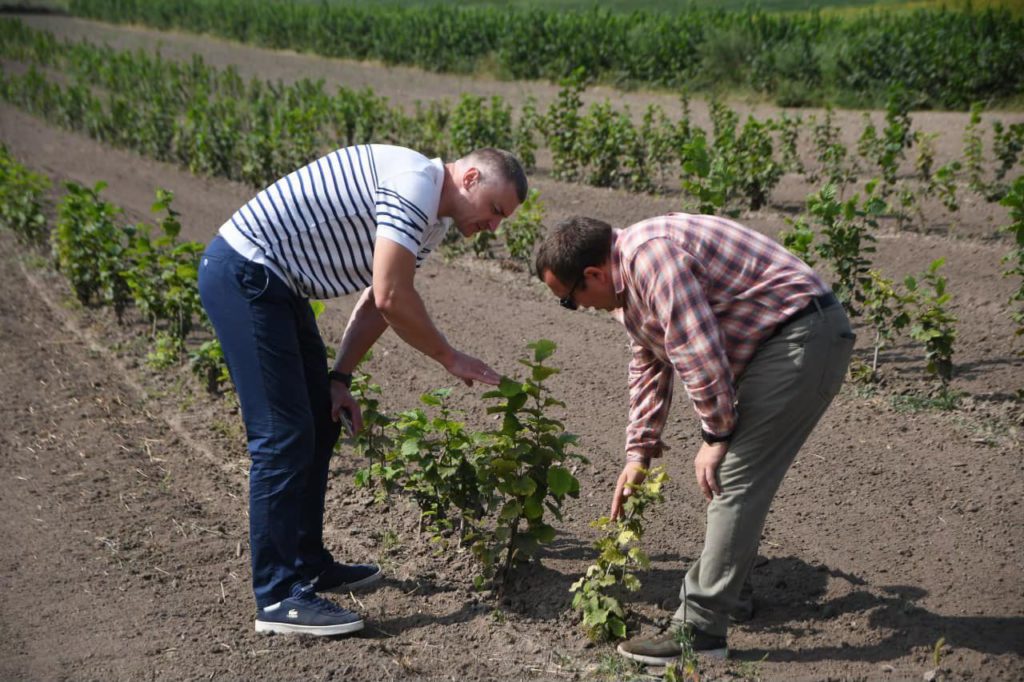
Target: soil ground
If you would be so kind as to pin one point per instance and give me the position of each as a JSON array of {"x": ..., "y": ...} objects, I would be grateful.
[{"x": 123, "y": 502}]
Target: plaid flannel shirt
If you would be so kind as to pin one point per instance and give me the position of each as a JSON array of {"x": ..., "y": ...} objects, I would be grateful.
[{"x": 699, "y": 294}]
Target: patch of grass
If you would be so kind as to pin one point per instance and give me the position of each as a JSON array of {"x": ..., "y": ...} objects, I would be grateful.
[
  {"x": 224, "y": 428},
  {"x": 612, "y": 667},
  {"x": 750, "y": 671},
  {"x": 389, "y": 544},
  {"x": 944, "y": 401}
]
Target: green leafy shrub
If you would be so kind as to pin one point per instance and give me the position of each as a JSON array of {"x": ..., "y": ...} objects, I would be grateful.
[
  {"x": 524, "y": 144},
  {"x": 476, "y": 124},
  {"x": 705, "y": 177},
  {"x": 436, "y": 461},
  {"x": 562, "y": 127},
  {"x": 1014, "y": 200},
  {"x": 161, "y": 272},
  {"x": 847, "y": 236},
  {"x": 605, "y": 137},
  {"x": 207, "y": 363},
  {"x": 619, "y": 556},
  {"x": 526, "y": 468},
  {"x": 523, "y": 229},
  {"x": 375, "y": 440},
  {"x": 931, "y": 323},
  {"x": 21, "y": 200},
  {"x": 89, "y": 248},
  {"x": 1007, "y": 143},
  {"x": 831, "y": 156},
  {"x": 799, "y": 240},
  {"x": 885, "y": 309},
  {"x": 489, "y": 489},
  {"x": 974, "y": 151}
]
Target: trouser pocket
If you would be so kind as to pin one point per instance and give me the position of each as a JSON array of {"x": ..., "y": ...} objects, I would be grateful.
[{"x": 837, "y": 361}]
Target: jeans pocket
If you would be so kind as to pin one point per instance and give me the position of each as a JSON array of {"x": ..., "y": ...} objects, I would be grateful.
[
  {"x": 253, "y": 280},
  {"x": 836, "y": 364}
]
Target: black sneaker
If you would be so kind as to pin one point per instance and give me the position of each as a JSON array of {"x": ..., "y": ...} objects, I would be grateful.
[
  {"x": 665, "y": 649},
  {"x": 306, "y": 613},
  {"x": 346, "y": 577}
]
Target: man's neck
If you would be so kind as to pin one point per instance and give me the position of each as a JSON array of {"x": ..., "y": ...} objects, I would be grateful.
[{"x": 448, "y": 192}]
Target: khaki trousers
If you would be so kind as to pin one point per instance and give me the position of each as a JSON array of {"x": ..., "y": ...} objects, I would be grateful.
[{"x": 782, "y": 394}]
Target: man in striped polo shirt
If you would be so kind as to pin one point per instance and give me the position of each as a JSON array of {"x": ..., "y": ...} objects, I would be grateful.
[
  {"x": 761, "y": 346},
  {"x": 361, "y": 218}
]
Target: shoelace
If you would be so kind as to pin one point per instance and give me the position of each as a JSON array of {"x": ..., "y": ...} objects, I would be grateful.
[{"x": 319, "y": 603}]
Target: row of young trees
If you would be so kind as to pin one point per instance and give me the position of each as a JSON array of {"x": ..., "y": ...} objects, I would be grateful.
[
  {"x": 214, "y": 122},
  {"x": 842, "y": 233},
  {"x": 947, "y": 59},
  {"x": 490, "y": 491},
  {"x": 109, "y": 263}
]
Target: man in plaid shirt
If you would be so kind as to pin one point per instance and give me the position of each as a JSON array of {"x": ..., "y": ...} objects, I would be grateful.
[{"x": 761, "y": 346}]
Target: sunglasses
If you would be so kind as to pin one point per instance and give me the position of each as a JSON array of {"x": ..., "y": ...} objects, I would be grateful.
[{"x": 567, "y": 301}]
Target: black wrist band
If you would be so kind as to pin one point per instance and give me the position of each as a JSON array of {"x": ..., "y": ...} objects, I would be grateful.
[
  {"x": 712, "y": 439},
  {"x": 335, "y": 375}
]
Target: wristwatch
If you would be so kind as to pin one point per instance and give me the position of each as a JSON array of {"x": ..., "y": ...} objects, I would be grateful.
[
  {"x": 343, "y": 377},
  {"x": 711, "y": 439}
]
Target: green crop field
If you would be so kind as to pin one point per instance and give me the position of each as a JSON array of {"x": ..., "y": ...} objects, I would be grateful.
[
  {"x": 846, "y": 7},
  {"x": 676, "y": 6}
]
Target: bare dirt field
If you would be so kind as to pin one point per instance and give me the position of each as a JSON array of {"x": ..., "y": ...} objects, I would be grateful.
[{"x": 123, "y": 531}]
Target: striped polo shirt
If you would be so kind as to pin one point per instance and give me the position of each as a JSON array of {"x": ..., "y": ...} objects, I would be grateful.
[{"x": 316, "y": 227}]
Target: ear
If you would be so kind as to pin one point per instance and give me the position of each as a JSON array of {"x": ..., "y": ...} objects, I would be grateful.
[
  {"x": 470, "y": 178},
  {"x": 602, "y": 273}
]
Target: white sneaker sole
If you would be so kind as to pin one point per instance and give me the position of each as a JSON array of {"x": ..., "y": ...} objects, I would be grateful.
[
  {"x": 368, "y": 581},
  {"x": 720, "y": 654},
  {"x": 269, "y": 627}
]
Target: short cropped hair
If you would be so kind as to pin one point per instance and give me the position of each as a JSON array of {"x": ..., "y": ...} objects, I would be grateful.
[
  {"x": 500, "y": 164},
  {"x": 573, "y": 245}
]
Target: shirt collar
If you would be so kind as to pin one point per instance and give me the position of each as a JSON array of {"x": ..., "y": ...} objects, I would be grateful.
[{"x": 620, "y": 284}]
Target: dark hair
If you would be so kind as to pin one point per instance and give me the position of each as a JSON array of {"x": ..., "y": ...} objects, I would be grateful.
[
  {"x": 504, "y": 165},
  {"x": 571, "y": 246}
]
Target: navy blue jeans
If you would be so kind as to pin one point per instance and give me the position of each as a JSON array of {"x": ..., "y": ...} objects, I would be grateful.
[{"x": 278, "y": 364}]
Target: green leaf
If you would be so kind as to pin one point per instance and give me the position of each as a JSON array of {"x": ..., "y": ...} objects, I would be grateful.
[
  {"x": 525, "y": 486},
  {"x": 540, "y": 373},
  {"x": 430, "y": 399},
  {"x": 318, "y": 308},
  {"x": 410, "y": 447},
  {"x": 544, "y": 533},
  {"x": 560, "y": 481},
  {"x": 617, "y": 628},
  {"x": 509, "y": 388},
  {"x": 625, "y": 536},
  {"x": 542, "y": 349},
  {"x": 533, "y": 508},
  {"x": 516, "y": 402},
  {"x": 510, "y": 511},
  {"x": 631, "y": 582}
]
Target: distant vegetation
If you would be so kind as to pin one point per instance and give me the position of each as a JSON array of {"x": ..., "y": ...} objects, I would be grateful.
[
  {"x": 944, "y": 59},
  {"x": 677, "y": 6}
]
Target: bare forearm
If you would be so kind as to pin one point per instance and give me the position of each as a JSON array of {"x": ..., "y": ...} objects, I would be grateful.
[
  {"x": 404, "y": 311},
  {"x": 365, "y": 326}
]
